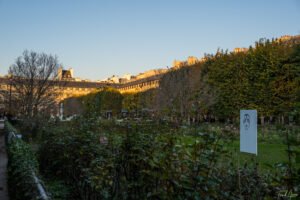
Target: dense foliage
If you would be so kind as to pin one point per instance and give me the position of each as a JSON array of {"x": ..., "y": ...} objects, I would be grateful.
[
  {"x": 139, "y": 103},
  {"x": 150, "y": 161},
  {"x": 22, "y": 167},
  {"x": 96, "y": 103},
  {"x": 266, "y": 78},
  {"x": 178, "y": 92}
]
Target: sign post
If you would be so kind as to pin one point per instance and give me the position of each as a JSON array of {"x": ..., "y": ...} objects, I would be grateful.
[{"x": 248, "y": 131}]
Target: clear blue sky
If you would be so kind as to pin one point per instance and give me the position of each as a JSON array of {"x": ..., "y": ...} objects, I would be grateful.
[{"x": 100, "y": 38}]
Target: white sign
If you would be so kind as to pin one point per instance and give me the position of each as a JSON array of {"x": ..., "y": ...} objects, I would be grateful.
[{"x": 248, "y": 131}]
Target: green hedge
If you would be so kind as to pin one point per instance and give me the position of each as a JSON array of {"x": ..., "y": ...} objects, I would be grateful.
[
  {"x": 145, "y": 162},
  {"x": 22, "y": 167},
  {"x": 10, "y": 132}
]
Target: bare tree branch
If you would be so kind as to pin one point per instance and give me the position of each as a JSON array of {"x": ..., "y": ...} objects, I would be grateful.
[{"x": 34, "y": 80}]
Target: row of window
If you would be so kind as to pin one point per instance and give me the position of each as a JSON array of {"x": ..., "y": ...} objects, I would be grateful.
[
  {"x": 78, "y": 89},
  {"x": 140, "y": 85}
]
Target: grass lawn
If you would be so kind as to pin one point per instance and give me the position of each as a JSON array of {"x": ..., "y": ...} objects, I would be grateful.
[{"x": 269, "y": 153}]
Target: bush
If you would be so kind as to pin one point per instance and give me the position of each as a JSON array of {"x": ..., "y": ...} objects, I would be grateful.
[
  {"x": 22, "y": 168},
  {"x": 137, "y": 163}
]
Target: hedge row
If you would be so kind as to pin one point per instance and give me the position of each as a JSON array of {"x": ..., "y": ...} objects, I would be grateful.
[{"x": 22, "y": 169}]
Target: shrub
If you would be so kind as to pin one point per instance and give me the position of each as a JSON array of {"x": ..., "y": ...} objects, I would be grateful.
[
  {"x": 137, "y": 163},
  {"x": 22, "y": 168}
]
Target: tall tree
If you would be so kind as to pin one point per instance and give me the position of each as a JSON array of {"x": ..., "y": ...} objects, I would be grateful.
[
  {"x": 287, "y": 85},
  {"x": 108, "y": 99},
  {"x": 34, "y": 81}
]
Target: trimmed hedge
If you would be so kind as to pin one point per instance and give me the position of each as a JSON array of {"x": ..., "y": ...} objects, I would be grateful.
[{"x": 22, "y": 167}]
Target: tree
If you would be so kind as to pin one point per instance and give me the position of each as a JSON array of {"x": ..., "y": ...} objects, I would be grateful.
[
  {"x": 108, "y": 99},
  {"x": 34, "y": 81},
  {"x": 177, "y": 91},
  {"x": 286, "y": 85}
]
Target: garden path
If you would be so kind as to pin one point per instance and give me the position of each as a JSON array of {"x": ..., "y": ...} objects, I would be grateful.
[{"x": 3, "y": 165}]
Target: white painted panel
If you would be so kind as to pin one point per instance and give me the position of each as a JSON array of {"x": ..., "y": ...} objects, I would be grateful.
[{"x": 248, "y": 131}]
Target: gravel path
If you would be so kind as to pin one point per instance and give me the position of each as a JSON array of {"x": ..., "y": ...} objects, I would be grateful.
[{"x": 3, "y": 163}]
